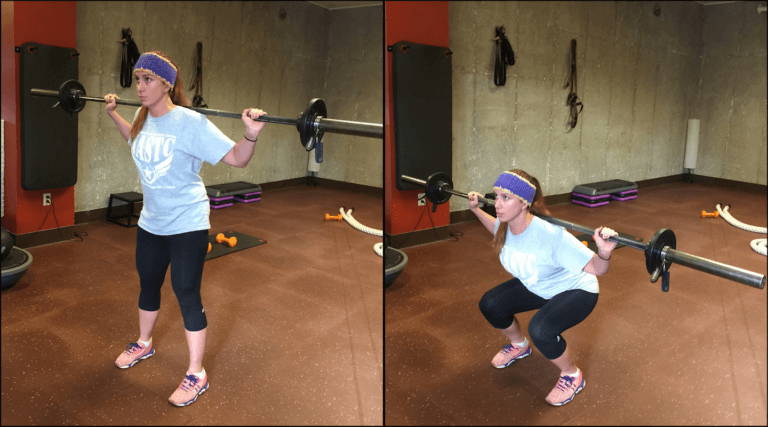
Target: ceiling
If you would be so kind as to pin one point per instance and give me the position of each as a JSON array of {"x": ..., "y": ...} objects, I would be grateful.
[{"x": 335, "y": 5}]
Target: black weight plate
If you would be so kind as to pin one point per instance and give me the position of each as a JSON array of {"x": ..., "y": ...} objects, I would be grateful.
[
  {"x": 69, "y": 96},
  {"x": 435, "y": 187},
  {"x": 305, "y": 124},
  {"x": 663, "y": 237}
]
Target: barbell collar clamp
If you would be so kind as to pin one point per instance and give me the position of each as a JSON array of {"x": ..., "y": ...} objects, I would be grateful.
[{"x": 655, "y": 275}]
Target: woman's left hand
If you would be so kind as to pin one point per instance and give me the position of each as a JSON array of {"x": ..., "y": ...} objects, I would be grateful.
[
  {"x": 252, "y": 127},
  {"x": 605, "y": 246}
]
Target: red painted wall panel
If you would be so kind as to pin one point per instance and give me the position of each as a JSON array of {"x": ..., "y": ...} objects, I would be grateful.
[
  {"x": 46, "y": 22},
  {"x": 419, "y": 22}
]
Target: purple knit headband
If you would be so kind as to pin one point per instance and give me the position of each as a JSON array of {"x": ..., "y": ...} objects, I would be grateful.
[
  {"x": 157, "y": 65},
  {"x": 512, "y": 183}
]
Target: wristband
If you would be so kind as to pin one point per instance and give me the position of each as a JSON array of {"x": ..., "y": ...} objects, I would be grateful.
[{"x": 249, "y": 139}]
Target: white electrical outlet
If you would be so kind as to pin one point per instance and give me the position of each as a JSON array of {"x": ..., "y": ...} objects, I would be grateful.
[
  {"x": 46, "y": 199},
  {"x": 421, "y": 200}
]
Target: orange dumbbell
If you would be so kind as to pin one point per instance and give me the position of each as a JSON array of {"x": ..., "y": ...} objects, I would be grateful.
[
  {"x": 229, "y": 241},
  {"x": 329, "y": 217},
  {"x": 705, "y": 214},
  {"x": 210, "y": 247}
]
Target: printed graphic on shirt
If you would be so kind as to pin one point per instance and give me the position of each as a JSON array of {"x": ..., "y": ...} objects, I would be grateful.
[{"x": 153, "y": 153}]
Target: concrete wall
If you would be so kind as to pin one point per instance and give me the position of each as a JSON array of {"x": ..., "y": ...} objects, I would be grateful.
[
  {"x": 354, "y": 91},
  {"x": 638, "y": 77},
  {"x": 251, "y": 57},
  {"x": 732, "y": 93}
]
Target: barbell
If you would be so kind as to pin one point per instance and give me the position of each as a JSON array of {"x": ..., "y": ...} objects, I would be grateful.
[
  {"x": 312, "y": 123},
  {"x": 660, "y": 252}
]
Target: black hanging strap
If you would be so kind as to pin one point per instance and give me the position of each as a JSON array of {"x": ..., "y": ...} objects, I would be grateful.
[
  {"x": 504, "y": 56},
  {"x": 129, "y": 57},
  {"x": 197, "y": 82},
  {"x": 572, "y": 101}
]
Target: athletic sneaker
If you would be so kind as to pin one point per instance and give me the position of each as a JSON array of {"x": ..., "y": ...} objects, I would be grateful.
[
  {"x": 509, "y": 354},
  {"x": 133, "y": 354},
  {"x": 190, "y": 388},
  {"x": 566, "y": 389}
]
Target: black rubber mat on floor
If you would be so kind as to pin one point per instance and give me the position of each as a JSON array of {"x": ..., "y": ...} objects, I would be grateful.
[{"x": 244, "y": 241}]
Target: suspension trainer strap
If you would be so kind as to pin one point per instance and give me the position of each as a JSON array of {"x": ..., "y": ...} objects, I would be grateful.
[
  {"x": 504, "y": 56},
  {"x": 197, "y": 82},
  {"x": 129, "y": 56},
  {"x": 572, "y": 101}
]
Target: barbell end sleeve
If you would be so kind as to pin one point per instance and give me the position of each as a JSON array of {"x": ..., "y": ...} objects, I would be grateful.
[
  {"x": 374, "y": 130},
  {"x": 412, "y": 180},
  {"x": 44, "y": 92},
  {"x": 737, "y": 274}
]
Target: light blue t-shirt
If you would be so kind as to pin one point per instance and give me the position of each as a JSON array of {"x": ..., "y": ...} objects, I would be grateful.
[
  {"x": 169, "y": 152},
  {"x": 547, "y": 259}
]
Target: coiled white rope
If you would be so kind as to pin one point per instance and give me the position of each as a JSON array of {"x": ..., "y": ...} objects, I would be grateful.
[
  {"x": 757, "y": 245},
  {"x": 355, "y": 223},
  {"x": 724, "y": 212},
  {"x": 378, "y": 247}
]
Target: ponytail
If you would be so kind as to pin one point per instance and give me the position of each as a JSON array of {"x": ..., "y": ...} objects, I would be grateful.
[{"x": 500, "y": 237}]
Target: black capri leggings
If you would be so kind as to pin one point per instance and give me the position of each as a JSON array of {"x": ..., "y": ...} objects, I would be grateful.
[
  {"x": 561, "y": 312},
  {"x": 185, "y": 253}
]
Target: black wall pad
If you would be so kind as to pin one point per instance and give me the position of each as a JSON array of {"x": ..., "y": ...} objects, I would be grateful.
[
  {"x": 244, "y": 241},
  {"x": 48, "y": 135},
  {"x": 421, "y": 82}
]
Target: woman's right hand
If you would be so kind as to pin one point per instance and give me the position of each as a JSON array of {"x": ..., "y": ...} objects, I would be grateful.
[
  {"x": 111, "y": 102},
  {"x": 473, "y": 201}
]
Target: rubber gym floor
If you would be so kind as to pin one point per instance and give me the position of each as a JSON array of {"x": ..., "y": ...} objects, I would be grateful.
[
  {"x": 295, "y": 330},
  {"x": 694, "y": 355}
]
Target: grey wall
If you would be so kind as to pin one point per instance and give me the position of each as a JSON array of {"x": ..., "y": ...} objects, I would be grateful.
[
  {"x": 732, "y": 93},
  {"x": 251, "y": 57},
  {"x": 354, "y": 91},
  {"x": 638, "y": 77}
]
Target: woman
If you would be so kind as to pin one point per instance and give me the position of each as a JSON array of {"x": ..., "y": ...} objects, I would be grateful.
[
  {"x": 168, "y": 144},
  {"x": 553, "y": 271}
]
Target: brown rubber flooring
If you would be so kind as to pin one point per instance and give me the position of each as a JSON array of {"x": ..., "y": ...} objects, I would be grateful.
[
  {"x": 295, "y": 333},
  {"x": 695, "y": 355}
]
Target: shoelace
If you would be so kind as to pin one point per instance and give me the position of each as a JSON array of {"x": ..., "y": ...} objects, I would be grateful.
[
  {"x": 190, "y": 381},
  {"x": 509, "y": 347},
  {"x": 132, "y": 348},
  {"x": 565, "y": 382}
]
